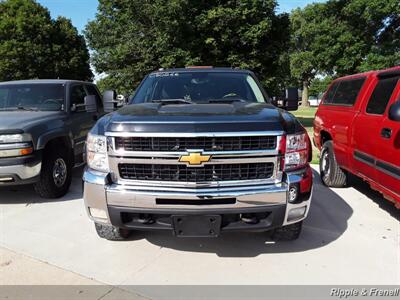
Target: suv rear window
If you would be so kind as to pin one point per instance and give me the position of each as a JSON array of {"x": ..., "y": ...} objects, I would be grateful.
[
  {"x": 381, "y": 95},
  {"x": 344, "y": 92}
]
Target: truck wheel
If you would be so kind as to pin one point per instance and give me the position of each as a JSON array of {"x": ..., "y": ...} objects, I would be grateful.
[
  {"x": 331, "y": 173},
  {"x": 111, "y": 233},
  {"x": 55, "y": 176},
  {"x": 287, "y": 233}
]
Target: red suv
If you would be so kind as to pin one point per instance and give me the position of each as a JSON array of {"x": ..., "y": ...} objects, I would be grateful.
[{"x": 357, "y": 129}]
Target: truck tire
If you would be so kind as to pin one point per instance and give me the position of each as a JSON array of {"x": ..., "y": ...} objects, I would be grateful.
[
  {"x": 331, "y": 173},
  {"x": 111, "y": 233},
  {"x": 56, "y": 174},
  {"x": 287, "y": 233}
]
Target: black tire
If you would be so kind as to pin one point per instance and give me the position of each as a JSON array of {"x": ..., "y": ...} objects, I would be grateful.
[
  {"x": 50, "y": 186},
  {"x": 111, "y": 233},
  {"x": 287, "y": 233},
  {"x": 331, "y": 173}
]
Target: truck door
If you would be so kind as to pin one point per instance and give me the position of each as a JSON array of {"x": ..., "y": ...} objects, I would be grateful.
[
  {"x": 388, "y": 146},
  {"x": 369, "y": 144},
  {"x": 81, "y": 120},
  {"x": 340, "y": 108}
]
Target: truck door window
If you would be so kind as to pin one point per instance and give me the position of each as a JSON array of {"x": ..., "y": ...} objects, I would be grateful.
[
  {"x": 381, "y": 95},
  {"x": 78, "y": 95},
  {"x": 346, "y": 92}
]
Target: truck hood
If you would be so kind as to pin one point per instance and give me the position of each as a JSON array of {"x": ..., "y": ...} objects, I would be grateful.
[
  {"x": 154, "y": 117},
  {"x": 22, "y": 121}
]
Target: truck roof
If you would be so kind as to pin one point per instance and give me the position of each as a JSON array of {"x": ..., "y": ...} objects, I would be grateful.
[
  {"x": 203, "y": 69},
  {"x": 392, "y": 70},
  {"x": 43, "y": 81}
]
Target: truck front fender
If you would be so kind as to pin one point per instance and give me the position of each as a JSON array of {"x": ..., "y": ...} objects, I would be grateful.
[{"x": 51, "y": 135}]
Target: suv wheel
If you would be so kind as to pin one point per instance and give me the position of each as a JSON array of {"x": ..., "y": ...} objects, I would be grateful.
[
  {"x": 331, "y": 173},
  {"x": 287, "y": 233},
  {"x": 55, "y": 176},
  {"x": 111, "y": 233}
]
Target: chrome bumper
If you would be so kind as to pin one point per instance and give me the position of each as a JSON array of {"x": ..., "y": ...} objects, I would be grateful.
[
  {"x": 99, "y": 193},
  {"x": 19, "y": 173}
]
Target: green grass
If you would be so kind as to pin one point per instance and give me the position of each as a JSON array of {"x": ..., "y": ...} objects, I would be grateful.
[{"x": 306, "y": 116}]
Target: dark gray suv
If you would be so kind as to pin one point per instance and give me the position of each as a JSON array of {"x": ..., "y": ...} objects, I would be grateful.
[{"x": 43, "y": 128}]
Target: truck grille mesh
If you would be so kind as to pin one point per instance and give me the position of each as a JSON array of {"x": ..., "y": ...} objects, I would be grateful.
[
  {"x": 205, "y": 143},
  {"x": 208, "y": 173}
]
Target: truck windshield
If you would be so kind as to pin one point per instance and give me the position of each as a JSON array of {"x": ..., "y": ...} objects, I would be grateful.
[
  {"x": 46, "y": 97},
  {"x": 199, "y": 87}
]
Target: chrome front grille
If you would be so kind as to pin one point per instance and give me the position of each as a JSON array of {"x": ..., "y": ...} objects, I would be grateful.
[
  {"x": 153, "y": 160},
  {"x": 208, "y": 173},
  {"x": 240, "y": 143}
]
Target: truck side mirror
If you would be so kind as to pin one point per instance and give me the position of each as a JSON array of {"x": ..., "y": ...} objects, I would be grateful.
[
  {"x": 394, "y": 111},
  {"x": 110, "y": 101},
  {"x": 90, "y": 104},
  {"x": 289, "y": 101},
  {"x": 292, "y": 99}
]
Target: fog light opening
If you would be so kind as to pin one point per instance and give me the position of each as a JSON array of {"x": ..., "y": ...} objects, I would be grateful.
[
  {"x": 98, "y": 213},
  {"x": 296, "y": 213}
]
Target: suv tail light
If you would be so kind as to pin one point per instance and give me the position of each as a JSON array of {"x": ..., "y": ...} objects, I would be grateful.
[{"x": 295, "y": 151}]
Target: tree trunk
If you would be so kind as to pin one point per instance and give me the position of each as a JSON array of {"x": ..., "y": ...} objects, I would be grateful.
[{"x": 304, "y": 96}]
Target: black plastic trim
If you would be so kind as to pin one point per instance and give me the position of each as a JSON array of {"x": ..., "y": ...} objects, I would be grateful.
[
  {"x": 11, "y": 131},
  {"x": 383, "y": 166},
  {"x": 388, "y": 74},
  {"x": 275, "y": 215}
]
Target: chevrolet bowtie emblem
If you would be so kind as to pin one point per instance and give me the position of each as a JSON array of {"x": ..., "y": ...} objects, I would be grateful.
[{"x": 195, "y": 159}]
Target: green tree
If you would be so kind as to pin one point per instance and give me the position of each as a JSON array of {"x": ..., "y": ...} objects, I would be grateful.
[
  {"x": 130, "y": 38},
  {"x": 32, "y": 45},
  {"x": 319, "y": 85},
  {"x": 343, "y": 37}
]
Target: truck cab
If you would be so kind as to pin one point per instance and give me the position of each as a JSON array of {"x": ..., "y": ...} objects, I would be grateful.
[
  {"x": 198, "y": 152},
  {"x": 43, "y": 129},
  {"x": 357, "y": 129}
]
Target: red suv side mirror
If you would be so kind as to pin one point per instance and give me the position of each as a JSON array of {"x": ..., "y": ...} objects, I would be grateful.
[{"x": 394, "y": 111}]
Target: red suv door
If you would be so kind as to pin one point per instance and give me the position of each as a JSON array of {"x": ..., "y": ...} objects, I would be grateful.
[
  {"x": 339, "y": 109},
  {"x": 388, "y": 145}
]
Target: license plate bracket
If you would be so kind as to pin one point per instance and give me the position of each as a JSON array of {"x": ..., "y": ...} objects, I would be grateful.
[{"x": 197, "y": 225}]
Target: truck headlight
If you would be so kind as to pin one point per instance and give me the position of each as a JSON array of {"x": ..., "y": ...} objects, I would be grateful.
[
  {"x": 97, "y": 158},
  {"x": 15, "y": 138},
  {"x": 15, "y": 145}
]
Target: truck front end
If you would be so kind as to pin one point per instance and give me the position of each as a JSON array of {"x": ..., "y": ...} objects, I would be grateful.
[{"x": 198, "y": 169}]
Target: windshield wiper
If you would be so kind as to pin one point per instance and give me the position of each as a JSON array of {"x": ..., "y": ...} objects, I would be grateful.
[
  {"x": 172, "y": 101},
  {"x": 27, "y": 108},
  {"x": 227, "y": 100},
  {"x": 18, "y": 108}
]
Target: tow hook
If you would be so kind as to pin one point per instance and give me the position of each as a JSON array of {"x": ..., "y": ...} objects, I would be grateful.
[{"x": 249, "y": 219}]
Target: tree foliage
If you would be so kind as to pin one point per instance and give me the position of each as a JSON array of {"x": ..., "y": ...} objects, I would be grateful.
[
  {"x": 319, "y": 85},
  {"x": 32, "y": 45},
  {"x": 130, "y": 38},
  {"x": 342, "y": 37}
]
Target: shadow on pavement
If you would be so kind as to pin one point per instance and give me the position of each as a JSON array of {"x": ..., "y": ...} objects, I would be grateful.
[
  {"x": 326, "y": 222},
  {"x": 20, "y": 194},
  {"x": 364, "y": 188}
]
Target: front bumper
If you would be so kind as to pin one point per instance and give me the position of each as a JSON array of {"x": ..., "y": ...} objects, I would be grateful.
[
  {"x": 133, "y": 208},
  {"x": 20, "y": 170}
]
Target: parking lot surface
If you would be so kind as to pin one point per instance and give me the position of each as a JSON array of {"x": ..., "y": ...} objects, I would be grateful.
[{"x": 352, "y": 236}]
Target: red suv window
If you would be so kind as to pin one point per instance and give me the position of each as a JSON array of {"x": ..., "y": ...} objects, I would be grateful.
[
  {"x": 344, "y": 92},
  {"x": 381, "y": 95}
]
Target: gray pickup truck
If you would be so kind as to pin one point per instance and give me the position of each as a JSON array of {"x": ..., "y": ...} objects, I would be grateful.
[{"x": 43, "y": 128}]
